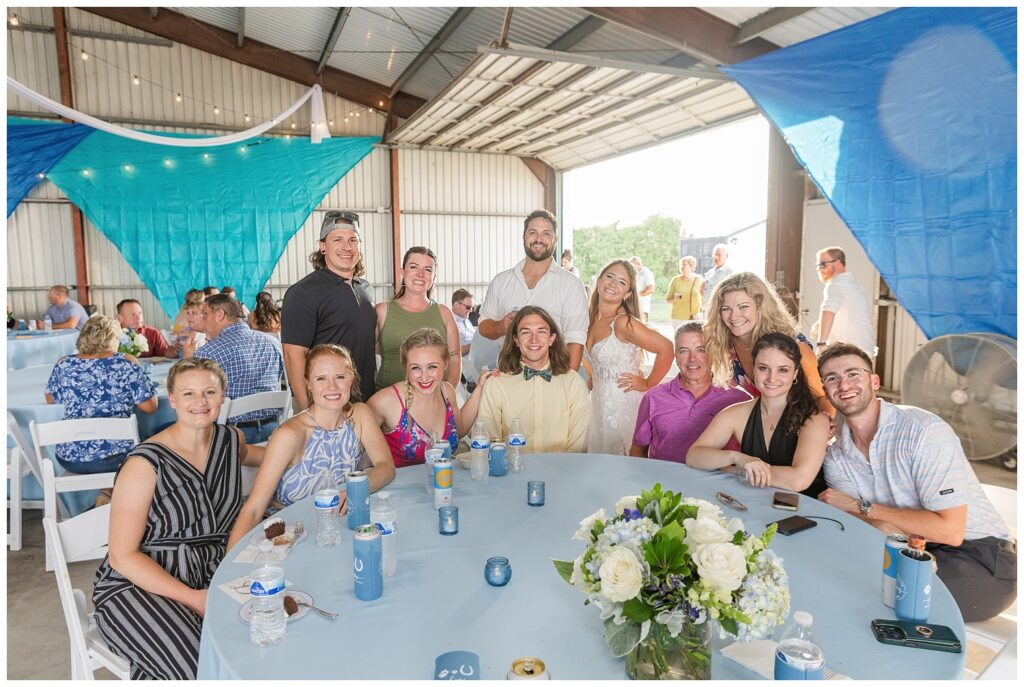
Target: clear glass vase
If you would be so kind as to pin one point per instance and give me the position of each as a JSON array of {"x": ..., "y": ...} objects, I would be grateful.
[{"x": 660, "y": 656}]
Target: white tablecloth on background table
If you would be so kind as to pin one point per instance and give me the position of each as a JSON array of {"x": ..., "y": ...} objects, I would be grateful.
[
  {"x": 438, "y": 600},
  {"x": 39, "y": 348}
]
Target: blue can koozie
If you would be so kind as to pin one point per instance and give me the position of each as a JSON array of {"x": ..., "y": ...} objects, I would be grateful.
[
  {"x": 357, "y": 489},
  {"x": 913, "y": 585},
  {"x": 366, "y": 560},
  {"x": 497, "y": 460}
]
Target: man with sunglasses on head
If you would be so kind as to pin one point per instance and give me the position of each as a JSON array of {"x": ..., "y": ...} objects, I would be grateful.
[
  {"x": 332, "y": 304},
  {"x": 845, "y": 312},
  {"x": 903, "y": 470}
]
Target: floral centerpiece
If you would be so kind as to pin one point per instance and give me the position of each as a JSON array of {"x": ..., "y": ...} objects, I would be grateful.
[
  {"x": 132, "y": 343},
  {"x": 662, "y": 568}
]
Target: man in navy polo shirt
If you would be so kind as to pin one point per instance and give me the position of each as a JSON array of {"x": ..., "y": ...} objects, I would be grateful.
[{"x": 333, "y": 304}]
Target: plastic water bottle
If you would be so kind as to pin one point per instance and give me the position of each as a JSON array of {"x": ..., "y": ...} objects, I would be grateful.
[
  {"x": 479, "y": 447},
  {"x": 267, "y": 624},
  {"x": 385, "y": 517},
  {"x": 327, "y": 500},
  {"x": 798, "y": 656},
  {"x": 516, "y": 446},
  {"x": 47, "y": 324}
]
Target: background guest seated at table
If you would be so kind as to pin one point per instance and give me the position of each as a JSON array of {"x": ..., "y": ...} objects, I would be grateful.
[
  {"x": 129, "y": 314},
  {"x": 782, "y": 434},
  {"x": 98, "y": 382},
  {"x": 744, "y": 308},
  {"x": 412, "y": 412},
  {"x": 538, "y": 386},
  {"x": 334, "y": 432},
  {"x": 174, "y": 500},
  {"x": 265, "y": 317},
  {"x": 63, "y": 312},
  {"x": 673, "y": 414}
]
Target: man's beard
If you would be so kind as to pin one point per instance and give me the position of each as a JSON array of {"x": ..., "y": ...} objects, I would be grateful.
[{"x": 544, "y": 256}]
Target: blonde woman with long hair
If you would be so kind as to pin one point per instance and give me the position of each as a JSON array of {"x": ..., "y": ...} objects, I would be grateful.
[
  {"x": 685, "y": 292},
  {"x": 616, "y": 341},
  {"x": 742, "y": 309}
]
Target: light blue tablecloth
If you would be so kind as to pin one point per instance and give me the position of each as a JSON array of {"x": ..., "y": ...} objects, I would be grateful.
[
  {"x": 438, "y": 600},
  {"x": 39, "y": 348},
  {"x": 26, "y": 400}
]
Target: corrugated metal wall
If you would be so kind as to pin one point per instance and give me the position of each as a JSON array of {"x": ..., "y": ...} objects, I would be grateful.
[{"x": 467, "y": 208}]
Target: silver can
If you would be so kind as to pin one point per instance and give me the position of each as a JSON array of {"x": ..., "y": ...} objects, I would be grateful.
[
  {"x": 528, "y": 668},
  {"x": 894, "y": 543}
]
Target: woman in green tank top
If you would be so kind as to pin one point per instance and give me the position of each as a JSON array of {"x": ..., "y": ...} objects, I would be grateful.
[{"x": 412, "y": 309}]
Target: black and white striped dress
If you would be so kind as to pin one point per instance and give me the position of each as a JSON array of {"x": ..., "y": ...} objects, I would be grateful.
[{"x": 186, "y": 533}]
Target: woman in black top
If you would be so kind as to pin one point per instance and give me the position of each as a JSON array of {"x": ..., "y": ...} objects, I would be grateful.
[{"x": 782, "y": 434}]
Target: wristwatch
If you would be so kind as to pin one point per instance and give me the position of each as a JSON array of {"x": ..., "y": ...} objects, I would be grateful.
[{"x": 865, "y": 507}]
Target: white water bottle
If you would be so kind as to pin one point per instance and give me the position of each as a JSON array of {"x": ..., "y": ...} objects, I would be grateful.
[
  {"x": 327, "y": 500},
  {"x": 47, "y": 324},
  {"x": 479, "y": 448},
  {"x": 516, "y": 446},
  {"x": 798, "y": 656},
  {"x": 385, "y": 517},
  {"x": 267, "y": 623}
]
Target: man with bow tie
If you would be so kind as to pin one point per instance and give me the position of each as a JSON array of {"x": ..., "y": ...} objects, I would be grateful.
[{"x": 538, "y": 386}]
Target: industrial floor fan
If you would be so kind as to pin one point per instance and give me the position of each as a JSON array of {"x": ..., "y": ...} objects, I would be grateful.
[{"x": 970, "y": 381}]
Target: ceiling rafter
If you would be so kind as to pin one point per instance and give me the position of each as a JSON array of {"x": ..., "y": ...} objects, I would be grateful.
[
  {"x": 567, "y": 40},
  {"x": 332, "y": 38},
  {"x": 216, "y": 41},
  {"x": 455, "y": 21},
  {"x": 689, "y": 30},
  {"x": 766, "y": 21}
]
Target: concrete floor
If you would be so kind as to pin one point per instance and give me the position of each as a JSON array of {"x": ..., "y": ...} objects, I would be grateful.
[{"x": 37, "y": 637}]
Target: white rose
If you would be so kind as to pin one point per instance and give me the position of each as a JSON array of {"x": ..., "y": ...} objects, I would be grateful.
[
  {"x": 705, "y": 509},
  {"x": 576, "y": 579},
  {"x": 721, "y": 566},
  {"x": 625, "y": 502},
  {"x": 735, "y": 525},
  {"x": 704, "y": 531},
  {"x": 587, "y": 524},
  {"x": 622, "y": 576}
]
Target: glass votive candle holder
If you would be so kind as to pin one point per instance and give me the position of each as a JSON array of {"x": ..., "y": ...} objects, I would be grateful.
[
  {"x": 448, "y": 520},
  {"x": 535, "y": 493},
  {"x": 498, "y": 571},
  {"x": 741, "y": 475}
]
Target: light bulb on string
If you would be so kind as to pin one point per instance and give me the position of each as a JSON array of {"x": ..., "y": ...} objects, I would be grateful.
[
  {"x": 247, "y": 118},
  {"x": 85, "y": 55},
  {"x": 206, "y": 156},
  {"x": 293, "y": 125},
  {"x": 167, "y": 162},
  {"x": 40, "y": 176},
  {"x": 14, "y": 20},
  {"x": 330, "y": 122},
  {"x": 128, "y": 168},
  {"x": 216, "y": 110},
  {"x": 381, "y": 103},
  {"x": 244, "y": 149},
  {"x": 135, "y": 79},
  {"x": 85, "y": 172}
]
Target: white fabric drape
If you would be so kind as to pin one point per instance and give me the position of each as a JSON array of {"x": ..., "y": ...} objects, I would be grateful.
[{"x": 317, "y": 131}]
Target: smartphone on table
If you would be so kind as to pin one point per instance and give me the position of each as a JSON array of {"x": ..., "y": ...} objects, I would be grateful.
[
  {"x": 794, "y": 524},
  {"x": 784, "y": 500},
  {"x": 916, "y": 635}
]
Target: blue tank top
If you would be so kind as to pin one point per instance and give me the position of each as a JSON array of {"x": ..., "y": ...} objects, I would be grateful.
[{"x": 337, "y": 450}]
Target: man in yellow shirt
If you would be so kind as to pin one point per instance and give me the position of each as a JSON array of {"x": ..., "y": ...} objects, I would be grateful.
[{"x": 538, "y": 387}]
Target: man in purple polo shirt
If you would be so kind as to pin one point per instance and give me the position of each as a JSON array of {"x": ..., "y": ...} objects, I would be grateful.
[{"x": 673, "y": 414}]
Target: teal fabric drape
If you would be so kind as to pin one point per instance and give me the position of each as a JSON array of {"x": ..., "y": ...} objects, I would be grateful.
[
  {"x": 33, "y": 147},
  {"x": 188, "y": 217}
]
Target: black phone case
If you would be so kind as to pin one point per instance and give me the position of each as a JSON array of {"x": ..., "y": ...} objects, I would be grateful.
[
  {"x": 907, "y": 633},
  {"x": 794, "y": 524}
]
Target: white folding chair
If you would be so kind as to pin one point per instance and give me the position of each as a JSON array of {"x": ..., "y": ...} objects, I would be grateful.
[
  {"x": 21, "y": 462},
  {"x": 1004, "y": 665},
  {"x": 50, "y": 433},
  {"x": 996, "y": 632},
  {"x": 281, "y": 401},
  {"x": 82, "y": 538}
]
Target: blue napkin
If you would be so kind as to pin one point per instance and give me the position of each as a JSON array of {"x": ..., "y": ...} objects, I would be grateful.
[{"x": 457, "y": 665}]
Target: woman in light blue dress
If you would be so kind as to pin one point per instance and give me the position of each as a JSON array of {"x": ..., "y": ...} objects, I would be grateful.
[{"x": 332, "y": 433}]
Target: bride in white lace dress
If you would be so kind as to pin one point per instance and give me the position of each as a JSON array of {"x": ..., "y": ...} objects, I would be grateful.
[{"x": 616, "y": 341}]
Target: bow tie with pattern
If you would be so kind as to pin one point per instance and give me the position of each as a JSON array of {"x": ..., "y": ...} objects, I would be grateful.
[{"x": 529, "y": 373}]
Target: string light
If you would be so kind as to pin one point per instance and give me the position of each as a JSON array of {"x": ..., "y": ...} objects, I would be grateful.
[
  {"x": 381, "y": 103},
  {"x": 177, "y": 98},
  {"x": 85, "y": 172},
  {"x": 14, "y": 20},
  {"x": 216, "y": 110},
  {"x": 244, "y": 149},
  {"x": 293, "y": 125},
  {"x": 85, "y": 55},
  {"x": 330, "y": 122},
  {"x": 206, "y": 156},
  {"x": 40, "y": 176},
  {"x": 167, "y": 162},
  {"x": 128, "y": 168},
  {"x": 247, "y": 118}
]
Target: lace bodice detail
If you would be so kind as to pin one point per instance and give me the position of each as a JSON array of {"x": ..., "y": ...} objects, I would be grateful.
[{"x": 613, "y": 411}]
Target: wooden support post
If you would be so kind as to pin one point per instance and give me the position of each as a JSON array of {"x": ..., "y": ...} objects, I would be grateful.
[
  {"x": 67, "y": 98},
  {"x": 396, "y": 233},
  {"x": 547, "y": 177},
  {"x": 785, "y": 215}
]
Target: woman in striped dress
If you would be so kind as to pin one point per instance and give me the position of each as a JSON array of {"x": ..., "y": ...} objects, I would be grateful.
[{"x": 175, "y": 499}]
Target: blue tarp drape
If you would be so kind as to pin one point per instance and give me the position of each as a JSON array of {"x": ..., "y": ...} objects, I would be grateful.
[
  {"x": 907, "y": 123},
  {"x": 33, "y": 147},
  {"x": 187, "y": 217}
]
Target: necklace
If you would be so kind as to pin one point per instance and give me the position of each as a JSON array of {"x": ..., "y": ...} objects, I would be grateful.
[{"x": 768, "y": 419}]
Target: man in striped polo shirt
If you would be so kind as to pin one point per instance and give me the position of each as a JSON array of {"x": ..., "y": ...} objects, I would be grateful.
[{"x": 903, "y": 469}]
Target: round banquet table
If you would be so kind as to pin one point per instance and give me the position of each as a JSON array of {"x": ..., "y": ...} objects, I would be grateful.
[
  {"x": 438, "y": 600},
  {"x": 26, "y": 400},
  {"x": 26, "y": 349}
]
